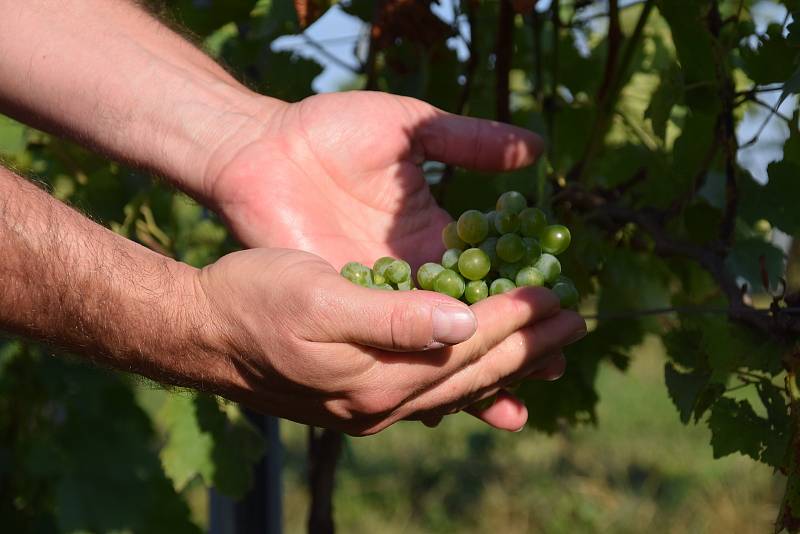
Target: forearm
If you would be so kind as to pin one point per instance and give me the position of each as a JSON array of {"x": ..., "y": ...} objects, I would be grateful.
[
  {"x": 110, "y": 75},
  {"x": 71, "y": 282}
]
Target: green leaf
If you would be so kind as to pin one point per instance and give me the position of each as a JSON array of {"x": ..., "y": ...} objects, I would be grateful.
[
  {"x": 684, "y": 389},
  {"x": 202, "y": 441},
  {"x": 770, "y": 201},
  {"x": 735, "y": 427},
  {"x": 746, "y": 260},
  {"x": 12, "y": 137},
  {"x": 202, "y": 18},
  {"x": 776, "y": 441},
  {"x": 665, "y": 97},
  {"x": 773, "y": 61}
]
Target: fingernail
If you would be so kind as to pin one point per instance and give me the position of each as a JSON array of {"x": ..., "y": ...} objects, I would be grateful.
[
  {"x": 452, "y": 324},
  {"x": 520, "y": 429},
  {"x": 577, "y": 336}
]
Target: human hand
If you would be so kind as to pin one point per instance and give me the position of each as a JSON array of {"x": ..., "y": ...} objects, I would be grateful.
[
  {"x": 340, "y": 174},
  {"x": 310, "y": 346}
]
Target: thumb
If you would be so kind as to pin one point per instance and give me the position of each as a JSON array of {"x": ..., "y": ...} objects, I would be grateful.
[{"x": 396, "y": 320}]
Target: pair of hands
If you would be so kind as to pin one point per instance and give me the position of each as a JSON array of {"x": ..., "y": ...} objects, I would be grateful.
[{"x": 340, "y": 175}]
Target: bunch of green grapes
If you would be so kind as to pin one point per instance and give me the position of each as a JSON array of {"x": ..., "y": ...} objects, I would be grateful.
[
  {"x": 387, "y": 273},
  {"x": 487, "y": 254}
]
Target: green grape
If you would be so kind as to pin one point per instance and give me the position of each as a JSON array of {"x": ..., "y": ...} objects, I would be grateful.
[
  {"x": 512, "y": 201},
  {"x": 406, "y": 285},
  {"x": 567, "y": 294},
  {"x": 510, "y": 270},
  {"x": 532, "y": 250},
  {"x": 450, "y": 237},
  {"x": 380, "y": 266},
  {"x": 530, "y": 277},
  {"x": 472, "y": 227},
  {"x": 427, "y": 273},
  {"x": 501, "y": 285},
  {"x": 476, "y": 290},
  {"x": 555, "y": 239},
  {"x": 490, "y": 217},
  {"x": 398, "y": 271},
  {"x": 531, "y": 222},
  {"x": 449, "y": 282},
  {"x": 506, "y": 222},
  {"x": 474, "y": 264},
  {"x": 489, "y": 246},
  {"x": 549, "y": 266},
  {"x": 510, "y": 248},
  {"x": 565, "y": 279},
  {"x": 357, "y": 273},
  {"x": 377, "y": 279},
  {"x": 450, "y": 258},
  {"x": 386, "y": 287}
]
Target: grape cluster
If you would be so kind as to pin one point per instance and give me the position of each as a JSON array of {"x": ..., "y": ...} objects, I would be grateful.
[{"x": 487, "y": 254}]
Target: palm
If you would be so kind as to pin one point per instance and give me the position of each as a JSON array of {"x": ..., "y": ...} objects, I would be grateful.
[{"x": 339, "y": 175}]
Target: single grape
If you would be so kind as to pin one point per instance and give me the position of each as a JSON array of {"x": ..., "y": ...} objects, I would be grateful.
[
  {"x": 407, "y": 285},
  {"x": 530, "y": 277},
  {"x": 506, "y": 222},
  {"x": 510, "y": 248},
  {"x": 476, "y": 290},
  {"x": 532, "y": 250},
  {"x": 555, "y": 239},
  {"x": 427, "y": 273},
  {"x": 567, "y": 294},
  {"x": 531, "y": 222},
  {"x": 450, "y": 237},
  {"x": 549, "y": 266},
  {"x": 357, "y": 273},
  {"x": 386, "y": 287},
  {"x": 489, "y": 246},
  {"x": 474, "y": 264},
  {"x": 512, "y": 201},
  {"x": 510, "y": 270},
  {"x": 472, "y": 227},
  {"x": 449, "y": 282},
  {"x": 565, "y": 279},
  {"x": 380, "y": 266},
  {"x": 450, "y": 258},
  {"x": 490, "y": 217},
  {"x": 501, "y": 285},
  {"x": 398, "y": 271}
]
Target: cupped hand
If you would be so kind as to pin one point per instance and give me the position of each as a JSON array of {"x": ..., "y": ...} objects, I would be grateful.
[
  {"x": 308, "y": 345},
  {"x": 340, "y": 174}
]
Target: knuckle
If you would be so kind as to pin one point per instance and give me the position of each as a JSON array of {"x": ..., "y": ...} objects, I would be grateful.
[{"x": 408, "y": 326}]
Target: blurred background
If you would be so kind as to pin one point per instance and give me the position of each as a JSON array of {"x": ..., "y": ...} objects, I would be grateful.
[{"x": 631, "y": 96}]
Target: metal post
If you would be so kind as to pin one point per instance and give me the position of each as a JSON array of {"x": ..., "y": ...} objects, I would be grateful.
[{"x": 260, "y": 510}]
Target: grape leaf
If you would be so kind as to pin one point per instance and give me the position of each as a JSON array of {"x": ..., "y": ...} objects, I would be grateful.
[
  {"x": 735, "y": 427},
  {"x": 776, "y": 441},
  {"x": 664, "y": 98},
  {"x": 746, "y": 257},
  {"x": 202, "y": 18},
  {"x": 201, "y": 441},
  {"x": 684, "y": 389},
  {"x": 773, "y": 61}
]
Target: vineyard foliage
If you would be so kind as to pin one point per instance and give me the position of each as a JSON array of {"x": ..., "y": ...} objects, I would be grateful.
[{"x": 644, "y": 106}]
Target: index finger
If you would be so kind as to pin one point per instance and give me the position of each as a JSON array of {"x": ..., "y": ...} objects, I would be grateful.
[{"x": 478, "y": 144}]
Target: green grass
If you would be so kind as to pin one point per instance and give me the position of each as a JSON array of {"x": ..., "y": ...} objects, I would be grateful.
[{"x": 639, "y": 470}]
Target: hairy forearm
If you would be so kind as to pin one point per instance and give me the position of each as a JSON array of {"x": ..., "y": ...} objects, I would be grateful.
[
  {"x": 69, "y": 281},
  {"x": 110, "y": 75}
]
